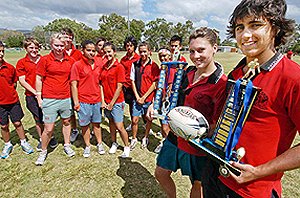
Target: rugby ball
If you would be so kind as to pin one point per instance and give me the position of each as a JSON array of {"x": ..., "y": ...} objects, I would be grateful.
[{"x": 187, "y": 122}]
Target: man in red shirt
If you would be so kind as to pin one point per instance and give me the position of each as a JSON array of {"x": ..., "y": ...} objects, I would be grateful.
[
  {"x": 10, "y": 107},
  {"x": 26, "y": 71},
  {"x": 130, "y": 44},
  {"x": 53, "y": 93},
  {"x": 144, "y": 75},
  {"x": 87, "y": 95},
  {"x": 76, "y": 55},
  {"x": 259, "y": 27}
]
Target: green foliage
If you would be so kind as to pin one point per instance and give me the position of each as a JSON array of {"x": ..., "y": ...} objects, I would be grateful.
[{"x": 15, "y": 41}]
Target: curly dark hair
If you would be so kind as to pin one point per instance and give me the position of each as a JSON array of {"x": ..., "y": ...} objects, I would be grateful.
[
  {"x": 274, "y": 11},
  {"x": 132, "y": 40}
]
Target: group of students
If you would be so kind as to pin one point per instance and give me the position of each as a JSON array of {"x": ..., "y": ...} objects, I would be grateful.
[{"x": 98, "y": 81}]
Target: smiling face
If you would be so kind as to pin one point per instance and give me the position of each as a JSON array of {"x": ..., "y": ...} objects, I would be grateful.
[
  {"x": 255, "y": 37},
  {"x": 174, "y": 45},
  {"x": 202, "y": 52},
  {"x": 32, "y": 50},
  {"x": 144, "y": 52},
  {"x": 89, "y": 51},
  {"x": 129, "y": 48},
  {"x": 109, "y": 53},
  {"x": 58, "y": 47}
]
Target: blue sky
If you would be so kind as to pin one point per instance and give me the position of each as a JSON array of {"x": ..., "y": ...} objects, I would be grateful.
[{"x": 25, "y": 14}]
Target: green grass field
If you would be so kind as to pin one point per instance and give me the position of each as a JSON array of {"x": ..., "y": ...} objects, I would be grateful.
[{"x": 97, "y": 176}]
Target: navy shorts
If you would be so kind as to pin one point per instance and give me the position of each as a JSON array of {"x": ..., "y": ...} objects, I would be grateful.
[
  {"x": 172, "y": 158},
  {"x": 13, "y": 111},
  {"x": 33, "y": 106},
  {"x": 128, "y": 95}
]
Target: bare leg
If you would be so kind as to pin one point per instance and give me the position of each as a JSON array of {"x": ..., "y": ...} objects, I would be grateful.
[
  {"x": 163, "y": 176},
  {"x": 134, "y": 126},
  {"x": 196, "y": 191},
  {"x": 97, "y": 132},
  {"x": 20, "y": 130},
  {"x": 47, "y": 134},
  {"x": 39, "y": 129},
  {"x": 123, "y": 133},
  {"x": 112, "y": 129},
  {"x": 5, "y": 133},
  {"x": 86, "y": 135},
  {"x": 66, "y": 129}
]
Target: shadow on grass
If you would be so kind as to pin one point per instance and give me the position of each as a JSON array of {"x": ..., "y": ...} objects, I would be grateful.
[{"x": 139, "y": 182}]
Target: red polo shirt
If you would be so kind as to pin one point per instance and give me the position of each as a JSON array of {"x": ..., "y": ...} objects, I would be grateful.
[
  {"x": 75, "y": 53},
  {"x": 8, "y": 78},
  {"x": 206, "y": 96},
  {"x": 55, "y": 76},
  {"x": 109, "y": 78},
  {"x": 26, "y": 67},
  {"x": 88, "y": 80},
  {"x": 272, "y": 123},
  {"x": 149, "y": 73},
  {"x": 127, "y": 61}
]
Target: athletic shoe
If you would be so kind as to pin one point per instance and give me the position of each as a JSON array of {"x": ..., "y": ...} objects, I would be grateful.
[
  {"x": 113, "y": 148},
  {"x": 100, "y": 148},
  {"x": 39, "y": 146},
  {"x": 41, "y": 159},
  {"x": 145, "y": 142},
  {"x": 87, "y": 152},
  {"x": 129, "y": 128},
  {"x": 53, "y": 143},
  {"x": 27, "y": 148},
  {"x": 158, "y": 148},
  {"x": 6, "y": 151},
  {"x": 126, "y": 152},
  {"x": 69, "y": 151},
  {"x": 151, "y": 132},
  {"x": 74, "y": 135},
  {"x": 133, "y": 143},
  {"x": 159, "y": 134}
]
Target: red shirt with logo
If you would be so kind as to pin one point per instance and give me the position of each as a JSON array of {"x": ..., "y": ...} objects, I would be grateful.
[
  {"x": 206, "y": 96},
  {"x": 87, "y": 79},
  {"x": 8, "y": 78},
  {"x": 26, "y": 67},
  {"x": 272, "y": 123},
  {"x": 109, "y": 79},
  {"x": 148, "y": 74},
  {"x": 127, "y": 61},
  {"x": 55, "y": 76}
]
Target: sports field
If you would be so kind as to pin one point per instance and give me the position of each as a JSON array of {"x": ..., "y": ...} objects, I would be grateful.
[{"x": 98, "y": 176}]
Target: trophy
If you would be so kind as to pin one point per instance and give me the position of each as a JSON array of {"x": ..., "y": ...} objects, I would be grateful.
[
  {"x": 167, "y": 94},
  {"x": 220, "y": 146}
]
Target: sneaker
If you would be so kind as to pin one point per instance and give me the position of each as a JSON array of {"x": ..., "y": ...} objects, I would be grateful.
[
  {"x": 129, "y": 128},
  {"x": 101, "y": 150},
  {"x": 69, "y": 151},
  {"x": 113, "y": 148},
  {"x": 159, "y": 134},
  {"x": 39, "y": 146},
  {"x": 158, "y": 148},
  {"x": 53, "y": 143},
  {"x": 74, "y": 135},
  {"x": 145, "y": 142},
  {"x": 6, "y": 151},
  {"x": 87, "y": 152},
  {"x": 133, "y": 143},
  {"x": 41, "y": 159},
  {"x": 126, "y": 152},
  {"x": 27, "y": 148}
]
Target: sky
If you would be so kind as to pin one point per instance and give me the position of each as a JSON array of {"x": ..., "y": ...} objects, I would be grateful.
[{"x": 25, "y": 14}]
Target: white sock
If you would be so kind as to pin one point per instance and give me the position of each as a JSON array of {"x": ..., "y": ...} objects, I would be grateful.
[
  {"x": 23, "y": 141},
  {"x": 67, "y": 144},
  {"x": 8, "y": 143}
]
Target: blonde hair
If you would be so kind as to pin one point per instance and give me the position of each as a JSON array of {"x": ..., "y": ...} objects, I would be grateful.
[
  {"x": 29, "y": 41},
  {"x": 58, "y": 36}
]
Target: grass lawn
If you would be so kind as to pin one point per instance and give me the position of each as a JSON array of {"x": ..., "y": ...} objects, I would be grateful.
[{"x": 97, "y": 176}]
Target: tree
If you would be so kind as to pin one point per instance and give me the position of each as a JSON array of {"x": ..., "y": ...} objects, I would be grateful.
[
  {"x": 38, "y": 33},
  {"x": 137, "y": 28},
  {"x": 81, "y": 31},
  {"x": 158, "y": 33},
  {"x": 184, "y": 30},
  {"x": 15, "y": 40}
]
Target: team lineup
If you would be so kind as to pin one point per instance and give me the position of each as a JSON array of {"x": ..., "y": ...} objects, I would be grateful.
[{"x": 92, "y": 83}]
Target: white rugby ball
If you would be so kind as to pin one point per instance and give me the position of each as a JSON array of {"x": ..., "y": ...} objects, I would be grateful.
[{"x": 187, "y": 122}]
